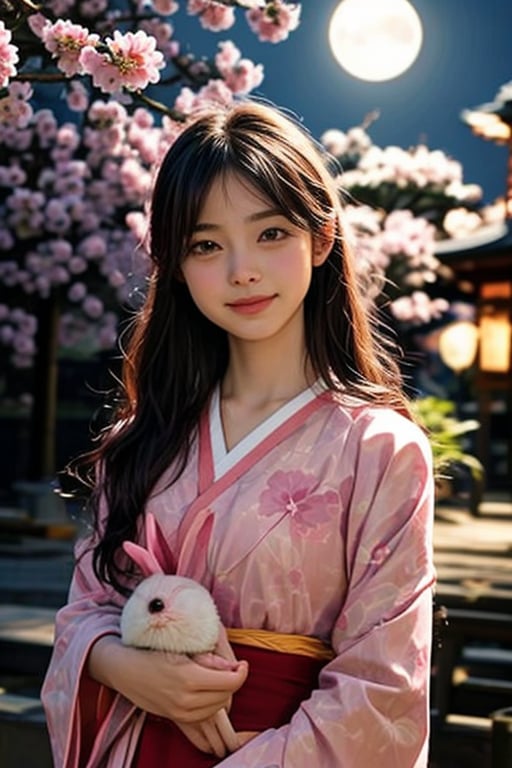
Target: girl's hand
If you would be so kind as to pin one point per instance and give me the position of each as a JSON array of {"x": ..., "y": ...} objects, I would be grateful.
[
  {"x": 215, "y": 735},
  {"x": 165, "y": 684}
]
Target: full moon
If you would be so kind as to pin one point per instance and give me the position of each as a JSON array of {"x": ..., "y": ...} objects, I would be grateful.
[{"x": 375, "y": 39}]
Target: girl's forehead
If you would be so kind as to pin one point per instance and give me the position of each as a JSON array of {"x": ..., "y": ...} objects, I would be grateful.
[{"x": 232, "y": 188}]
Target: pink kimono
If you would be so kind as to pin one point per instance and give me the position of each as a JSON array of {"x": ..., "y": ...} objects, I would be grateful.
[{"x": 317, "y": 523}]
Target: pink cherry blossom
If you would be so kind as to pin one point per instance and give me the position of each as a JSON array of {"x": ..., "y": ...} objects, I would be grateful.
[
  {"x": 77, "y": 97},
  {"x": 165, "y": 7},
  {"x": 131, "y": 62},
  {"x": 46, "y": 126},
  {"x": 214, "y": 92},
  {"x": 92, "y": 306},
  {"x": 8, "y": 56},
  {"x": 93, "y": 247},
  {"x": 77, "y": 265},
  {"x": 162, "y": 32},
  {"x": 240, "y": 75},
  {"x": 77, "y": 292},
  {"x": 418, "y": 308},
  {"x": 37, "y": 22},
  {"x": 61, "y": 250},
  {"x": 213, "y": 16},
  {"x": 275, "y": 21},
  {"x": 92, "y": 8},
  {"x": 15, "y": 108},
  {"x": 65, "y": 41}
]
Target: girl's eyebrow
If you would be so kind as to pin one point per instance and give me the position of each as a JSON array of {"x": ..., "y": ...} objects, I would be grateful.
[{"x": 257, "y": 216}]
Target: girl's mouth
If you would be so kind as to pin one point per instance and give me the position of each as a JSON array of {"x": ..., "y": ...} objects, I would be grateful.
[{"x": 251, "y": 305}]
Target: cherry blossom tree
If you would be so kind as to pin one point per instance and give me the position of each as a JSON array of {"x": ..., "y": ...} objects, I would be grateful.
[
  {"x": 91, "y": 95},
  {"x": 402, "y": 207},
  {"x": 404, "y": 210}
]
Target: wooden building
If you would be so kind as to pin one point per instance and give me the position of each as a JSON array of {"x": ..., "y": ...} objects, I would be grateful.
[{"x": 489, "y": 269}]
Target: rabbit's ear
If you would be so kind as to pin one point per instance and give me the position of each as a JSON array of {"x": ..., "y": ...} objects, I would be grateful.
[
  {"x": 146, "y": 561},
  {"x": 158, "y": 546}
]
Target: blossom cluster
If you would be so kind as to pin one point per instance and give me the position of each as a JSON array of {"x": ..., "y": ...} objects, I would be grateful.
[
  {"x": 401, "y": 204},
  {"x": 392, "y": 177},
  {"x": 129, "y": 59},
  {"x": 63, "y": 229},
  {"x": 395, "y": 259},
  {"x": 272, "y": 22}
]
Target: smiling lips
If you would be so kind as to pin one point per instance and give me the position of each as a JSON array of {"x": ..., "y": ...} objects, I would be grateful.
[{"x": 251, "y": 305}]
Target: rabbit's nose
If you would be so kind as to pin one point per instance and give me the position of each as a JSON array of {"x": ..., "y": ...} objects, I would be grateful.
[{"x": 156, "y": 605}]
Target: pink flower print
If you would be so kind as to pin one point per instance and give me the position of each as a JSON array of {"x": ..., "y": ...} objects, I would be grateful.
[
  {"x": 296, "y": 578},
  {"x": 292, "y": 493},
  {"x": 380, "y": 554}
]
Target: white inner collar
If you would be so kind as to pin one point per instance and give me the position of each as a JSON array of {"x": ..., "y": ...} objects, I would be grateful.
[{"x": 223, "y": 459}]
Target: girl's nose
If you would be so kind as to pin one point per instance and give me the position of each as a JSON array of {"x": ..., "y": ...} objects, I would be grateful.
[{"x": 243, "y": 269}]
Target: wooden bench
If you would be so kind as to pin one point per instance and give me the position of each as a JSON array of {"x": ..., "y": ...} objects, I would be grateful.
[
  {"x": 488, "y": 631},
  {"x": 473, "y": 669}
]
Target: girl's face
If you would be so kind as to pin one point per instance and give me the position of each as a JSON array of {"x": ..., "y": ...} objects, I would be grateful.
[{"x": 248, "y": 268}]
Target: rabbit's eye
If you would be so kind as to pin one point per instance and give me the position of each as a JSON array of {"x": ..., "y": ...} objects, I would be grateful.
[{"x": 156, "y": 605}]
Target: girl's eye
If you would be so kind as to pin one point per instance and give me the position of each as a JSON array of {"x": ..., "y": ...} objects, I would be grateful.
[
  {"x": 273, "y": 233},
  {"x": 203, "y": 247}
]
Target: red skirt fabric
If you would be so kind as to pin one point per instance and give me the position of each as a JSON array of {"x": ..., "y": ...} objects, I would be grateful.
[{"x": 276, "y": 684}]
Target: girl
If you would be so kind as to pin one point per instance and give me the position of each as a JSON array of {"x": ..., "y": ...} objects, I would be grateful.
[{"x": 264, "y": 426}]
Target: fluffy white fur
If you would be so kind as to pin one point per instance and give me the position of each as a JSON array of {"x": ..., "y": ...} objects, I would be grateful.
[{"x": 188, "y": 622}]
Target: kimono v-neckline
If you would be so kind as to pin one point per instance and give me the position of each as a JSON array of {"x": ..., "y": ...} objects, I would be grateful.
[
  {"x": 222, "y": 457},
  {"x": 217, "y": 463},
  {"x": 196, "y": 525}
]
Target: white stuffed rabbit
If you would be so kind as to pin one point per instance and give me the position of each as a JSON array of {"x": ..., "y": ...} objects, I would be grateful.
[{"x": 173, "y": 613}]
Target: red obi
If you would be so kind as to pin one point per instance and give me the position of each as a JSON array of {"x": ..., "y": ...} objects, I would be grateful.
[{"x": 276, "y": 685}]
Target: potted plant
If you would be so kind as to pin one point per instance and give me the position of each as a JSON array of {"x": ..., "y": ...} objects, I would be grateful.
[{"x": 447, "y": 437}]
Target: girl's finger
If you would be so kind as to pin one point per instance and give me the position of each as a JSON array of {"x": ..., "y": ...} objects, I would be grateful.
[
  {"x": 213, "y": 738},
  {"x": 226, "y": 730},
  {"x": 202, "y": 678}
]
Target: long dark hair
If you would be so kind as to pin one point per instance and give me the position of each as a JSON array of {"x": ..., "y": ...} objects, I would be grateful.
[{"x": 175, "y": 357}]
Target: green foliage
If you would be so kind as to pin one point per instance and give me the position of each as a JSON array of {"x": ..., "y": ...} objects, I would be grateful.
[{"x": 446, "y": 433}]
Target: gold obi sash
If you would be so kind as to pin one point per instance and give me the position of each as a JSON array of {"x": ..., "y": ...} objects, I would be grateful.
[{"x": 302, "y": 645}]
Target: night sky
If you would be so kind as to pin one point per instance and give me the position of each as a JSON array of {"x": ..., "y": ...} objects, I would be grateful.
[{"x": 465, "y": 58}]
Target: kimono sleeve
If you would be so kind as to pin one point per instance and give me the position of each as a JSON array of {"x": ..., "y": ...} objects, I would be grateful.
[
  {"x": 71, "y": 699},
  {"x": 372, "y": 703}
]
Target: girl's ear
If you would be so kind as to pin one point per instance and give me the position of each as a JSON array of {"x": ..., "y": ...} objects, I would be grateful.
[{"x": 323, "y": 243}]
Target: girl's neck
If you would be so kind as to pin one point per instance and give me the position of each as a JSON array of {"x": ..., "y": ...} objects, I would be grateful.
[
  {"x": 260, "y": 374},
  {"x": 258, "y": 382}
]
